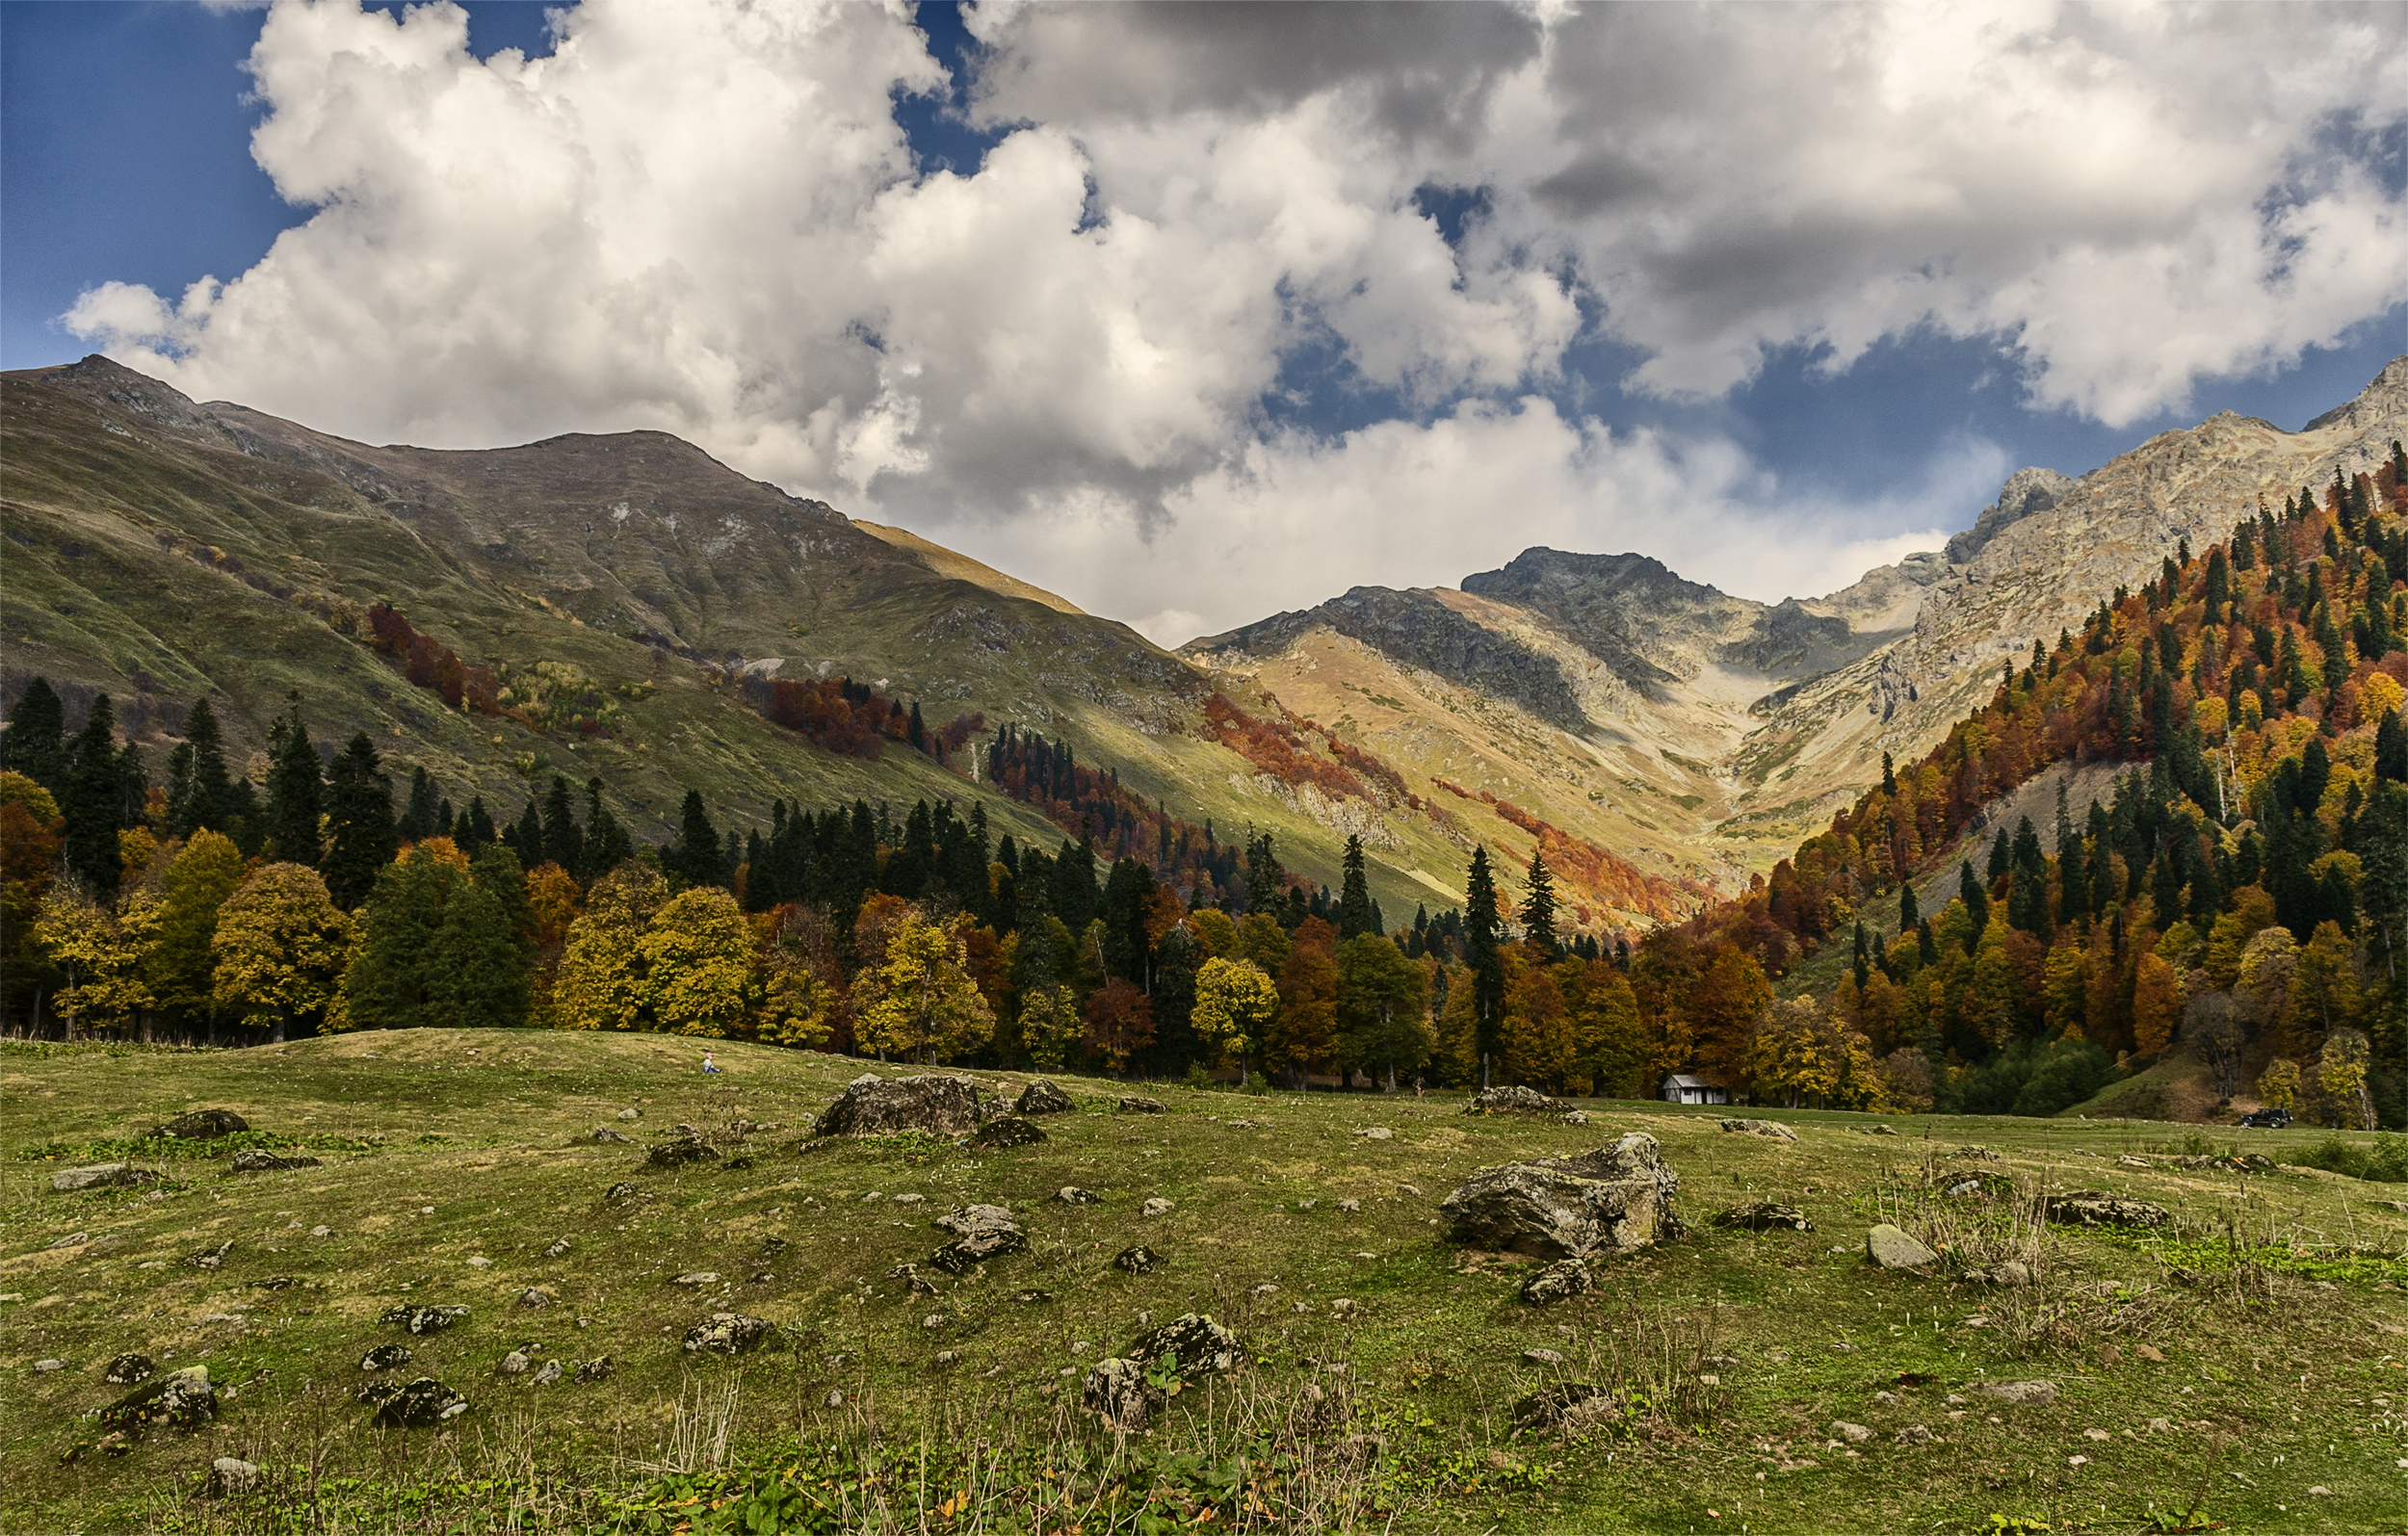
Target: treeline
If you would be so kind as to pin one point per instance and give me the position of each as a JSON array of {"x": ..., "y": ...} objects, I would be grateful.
[{"x": 855, "y": 719}]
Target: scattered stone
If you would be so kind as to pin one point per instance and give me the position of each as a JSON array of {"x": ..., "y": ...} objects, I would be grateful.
[
  {"x": 550, "y": 1374},
  {"x": 1117, "y": 1392},
  {"x": 697, "y": 1277},
  {"x": 322, "y": 1230},
  {"x": 1012, "y": 1131},
  {"x": 935, "y": 1319},
  {"x": 981, "y": 1233},
  {"x": 2019, "y": 1392},
  {"x": 2006, "y": 1272},
  {"x": 606, "y": 1134},
  {"x": 384, "y": 1357},
  {"x": 2094, "y": 1208},
  {"x": 534, "y": 1296},
  {"x": 1853, "y": 1434},
  {"x": 1914, "y": 1435},
  {"x": 1202, "y": 1346},
  {"x": 629, "y": 1114},
  {"x": 209, "y": 1257},
  {"x": 1071, "y": 1194},
  {"x": 43, "y": 1367},
  {"x": 2150, "y": 1352},
  {"x": 1156, "y": 1206},
  {"x": 1977, "y": 1154},
  {"x": 182, "y": 1399},
  {"x": 377, "y": 1393},
  {"x": 1516, "y": 1100},
  {"x": 279, "y": 1283},
  {"x": 728, "y": 1334},
  {"x": 1894, "y": 1248},
  {"x": 1042, "y": 1098},
  {"x": 424, "y": 1319},
  {"x": 1763, "y": 1216},
  {"x": 1560, "y": 1281},
  {"x": 516, "y": 1363},
  {"x": 1377, "y": 1134},
  {"x": 202, "y": 1125},
  {"x": 1350, "y": 1206},
  {"x": 737, "y": 1163},
  {"x": 258, "y": 1160},
  {"x": 1138, "y": 1260},
  {"x": 910, "y": 1200},
  {"x": 101, "y": 1176},
  {"x": 231, "y": 1477},
  {"x": 1412, "y": 1191},
  {"x": 1138, "y": 1104},
  {"x": 1032, "y": 1298},
  {"x": 939, "y": 1104},
  {"x": 421, "y": 1404},
  {"x": 680, "y": 1152},
  {"x": 1571, "y": 1406},
  {"x": 1543, "y": 1357},
  {"x": 73, "y": 1240},
  {"x": 1773, "y": 1129},
  {"x": 2128, "y": 1160},
  {"x": 479, "y": 1262},
  {"x": 619, "y": 1194},
  {"x": 1879, "y": 1130},
  {"x": 914, "y": 1283},
  {"x": 1617, "y": 1199},
  {"x": 1575, "y": 1117},
  {"x": 129, "y": 1370},
  {"x": 593, "y": 1370}
]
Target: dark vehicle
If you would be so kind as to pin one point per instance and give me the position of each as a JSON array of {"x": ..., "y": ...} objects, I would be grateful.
[{"x": 2270, "y": 1119}]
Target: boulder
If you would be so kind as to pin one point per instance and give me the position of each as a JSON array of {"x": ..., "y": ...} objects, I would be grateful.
[
  {"x": 1138, "y": 1103},
  {"x": 2020, "y": 1392},
  {"x": 129, "y": 1371},
  {"x": 516, "y": 1363},
  {"x": 1510, "y": 1101},
  {"x": 1116, "y": 1392},
  {"x": 182, "y": 1399},
  {"x": 1853, "y": 1434},
  {"x": 1201, "y": 1346},
  {"x": 419, "y": 1405},
  {"x": 258, "y": 1160},
  {"x": 1011, "y": 1130},
  {"x": 1138, "y": 1260},
  {"x": 1617, "y": 1199},
  {"x": 1763, "y": 1216},
  {"x": 1773, "y": 1129},
  {"x": 2095, "y": 1208},
  {"x": 209, "y": 1257},
  {"x": 424, "y": 1319},
  {"x": 1560, "y": 1281},
  {"x": 981, "y": 1233},
  {"x": 936, "y": 1103},
  {"x": 725, "y": 1334},
  {"x": 102, "y": 1176},
  {"x": 1914, "y": 1435},
  {"x": 231, "y": 1477},
  {"x": 678, "y": 1153},
  {"x": 384, "y": 1357},
  {"x": 1072, "y": 1195},
  {"x": 1894, "y": 1248},
  {"x": 202, "y": 1124},
  {"x": 1042, "y": 1098},
  {"x": 534, "y": 1296}
]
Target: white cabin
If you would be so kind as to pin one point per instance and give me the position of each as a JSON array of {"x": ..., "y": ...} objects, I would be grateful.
[{"x": 1683, "y": 1087}]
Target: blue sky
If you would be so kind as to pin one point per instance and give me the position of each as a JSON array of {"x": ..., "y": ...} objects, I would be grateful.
[{"x": 126, "y": 158}]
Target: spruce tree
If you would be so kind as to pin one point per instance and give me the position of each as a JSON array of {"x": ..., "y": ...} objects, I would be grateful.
[
  {"x": 474, "y": 830},
  {"x": 1480, "y": 925},
  {"x": 417, "y": 821},
  {"x": 92, "y": 804},
  {"x": 1355, "y": 902},
  {"x": 1907, "y": 915},
  {"x": 696, "y": 855},
  {"x": 1538, "y": 908},
  {"x": 563, "y": 843},
  {"x": 525, "y": 838},
  {"x": 1265, "y": 883},
  {"x": 1976, "y": 899},
  {"x": 296, "y": 793},
  {"x": 2001, "y": 857},
  {"x": 606, "y": 844},
  {"x": 361, "y": 838},
  {"x": 35, "y": 741}
]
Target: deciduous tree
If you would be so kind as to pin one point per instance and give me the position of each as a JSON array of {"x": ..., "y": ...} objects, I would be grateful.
[{"x": 282, "y": 946}]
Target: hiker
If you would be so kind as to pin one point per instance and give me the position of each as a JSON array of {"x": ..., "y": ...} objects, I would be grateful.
[{"x": 710, "y": 1068}]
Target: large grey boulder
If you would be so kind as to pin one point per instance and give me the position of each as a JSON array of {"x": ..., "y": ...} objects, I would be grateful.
[
  {"x": 202, "y": 1124},
  {"x": 101, "y": 1176},
  {"x": 181, "y": 1400},
  {"x": 1510, "y": 1100},
  {"x": 1617, "y": 1199},
  {"x": 1042, "y": 1098},
  {"x": 1012, "y": 1131},
  {"x": 939, "y": 1104},
  {"x": 1895, "y": 1248},
  {"x": 2095, "y": 1208}
]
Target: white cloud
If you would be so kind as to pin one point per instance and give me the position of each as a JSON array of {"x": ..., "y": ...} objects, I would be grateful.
[{"x": 705, "y": 219}]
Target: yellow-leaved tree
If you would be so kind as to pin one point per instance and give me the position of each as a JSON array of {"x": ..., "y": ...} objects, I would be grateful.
[
  {"x": 182, "y": 966},
  {"x": 1235, "y": 1002},
  {"x": 2157, "y": 1005},
  {"x": 1050, "y": 1024},
  {"x": 103, "y": 953},
  {"x": 698, "y": 962},
  {"x": 802, "y": 992},
  {"x": 282, "y": 946},
  {"x": 2278, "y": 1086},
  {"x": 601, "y": 980},
  {"x": 919, "y": 1000}
]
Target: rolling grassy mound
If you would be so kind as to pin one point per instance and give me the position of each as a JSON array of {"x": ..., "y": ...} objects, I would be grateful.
[{"x": 2262, "y": 1385}]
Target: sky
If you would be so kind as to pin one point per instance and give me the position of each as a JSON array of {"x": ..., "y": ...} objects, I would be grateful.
[{"x": 1196, "y": 313}]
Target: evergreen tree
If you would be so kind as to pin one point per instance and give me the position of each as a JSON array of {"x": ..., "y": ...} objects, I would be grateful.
[
  {"x": 1889, "y": 777},
  {"x": 296, "y": 793},
  {"x": 92, "y": 804},
  {"x": 2001, "y": 857},
  {"x": 361, "y": 838},
  {"x": 2027, "y": 898},
  {"x": 1538, "y": 908},
  {"x": 478, "y": 827},
  {"x": 606, "y": 844},
  {"x": 525, "y": 838},
  {"x": 1480, "y": 925},
  {"x": 35, "y": 741},
  {"x": 1265, "y": 883},
  {"x": 696, "y": 856},
  {"x": 417, "y": 821},
  {"x": 1355, "y": 902},
  {"x": 1907, "y": 915},
  {"x": 391, "y": 976},
  {"x": 563, "y": 843},
  {"x": 1976, "y": 899}
]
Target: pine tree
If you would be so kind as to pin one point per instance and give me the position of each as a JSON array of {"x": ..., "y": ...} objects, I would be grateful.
[
  {"x": 1889, "y": 777},
  {"x": 1355, "y": 902},
  {"x": 417, "y": 821},
  {"x": 563, "y": 843},
  {"x": 1976, "y": 899},
  {"x": 474, "y": 830},
  {"x": 1538, "y": 908},
  {"x": 525, "y": 836},
  {"x": 1480, "y": 925},
  {"x": 36, "y": 742},
  {"x": 92, "y": 805},
  {"x": 696, "y": 856},
  {"x": 361, "y": 838},
  {"x": 606, "y": 844},
  {"x": 1907, "y": 915},
  {"x": 295, "y": 792},
  {"x": 1265, "y": 884}
]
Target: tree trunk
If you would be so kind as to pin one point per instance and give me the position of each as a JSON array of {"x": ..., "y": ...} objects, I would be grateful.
[{"x": 1484, "y": 1072}]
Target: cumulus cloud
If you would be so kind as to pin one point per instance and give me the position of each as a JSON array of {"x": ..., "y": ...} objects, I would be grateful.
[{"x": 705, "y": 219}]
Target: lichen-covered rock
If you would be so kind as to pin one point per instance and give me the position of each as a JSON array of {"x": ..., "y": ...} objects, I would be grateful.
[
  {"x": 1617, "y": 1199},
  {"x": 1138, "y": 1104},
  {"x": 1042, "y": 1098},
  {"x": 384, "y": 1357},
  {"x": 1138, "y": 1260},
  {"x": 258, "y": 1160},
  {"x": 1560, "y": 1281},
  {"x": 1011, "y": 1130},
  {"x": 2022, "y": 1393},
  {"x": 420, "y": 1404},
  {"x": 1763, "y": 1216},
  {"x": 1071, "y": 1194},
  {"x": 939, "y": 1104},
  {"x": 727, "y": 1334},
  {"x": 681, "y": 1150},
  {"x": 2095, "y": 1208},
  {"x": 1771, "y": 1128},
  {"x": 1116, "y": 1392},
  {"x": 545, "y": 1377},
  {"x": 231, "y": 1477},
  {"x": 424, "y": 1319},
  {"x": 606, "y": 1134},
  {"x": 620, "y": 1193},
  {"x": 981, "y": 1233},
  {"x": 593, "y": 1370},
  {"x": 1895, "y": 1248},
  {"x": 202, "y": 1124},
  {"x": 102, "y": 1176},
  {"x": 209, "y": 1257},
  {"x": 2006, "y": 1272},
  {"x": 1510, "y": 1100},
  {"x": 181, "y": 1400},
  {"x": 129, "y": 1370},
  {"x": 1201, "y": 1346}
]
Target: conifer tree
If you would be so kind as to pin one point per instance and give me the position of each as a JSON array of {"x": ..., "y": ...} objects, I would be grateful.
[
  {"x": 1480, "y": 925},
  {"x": 696, "y": 856},
  {"x": 1976, "y": 899},
  {"x": 1538, "y": 908},
  {"x": 361, "y": 838},
  {"x": 1355, "y": 902},
  {"x": 296, "y": 793},
  {"x": 417, "y": 821},
  {"x": 35, "y": 743},
  {"x": 92, "y": 804},
  {"x": 563, "y": 843},
  {"x": 606, "y": 844}
]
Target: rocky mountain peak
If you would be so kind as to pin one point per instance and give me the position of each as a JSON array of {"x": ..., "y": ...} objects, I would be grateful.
[{"x": 2026, "y": 491}]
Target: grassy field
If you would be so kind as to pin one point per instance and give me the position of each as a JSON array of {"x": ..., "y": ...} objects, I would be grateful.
[{"x": 2265, "y": 1388}]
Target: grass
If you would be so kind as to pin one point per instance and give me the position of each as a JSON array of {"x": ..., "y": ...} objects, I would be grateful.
[{"x": 2231, "y": 1362}]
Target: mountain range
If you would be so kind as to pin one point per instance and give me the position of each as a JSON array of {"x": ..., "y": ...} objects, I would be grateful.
[{"x": 1659, "y": 739}]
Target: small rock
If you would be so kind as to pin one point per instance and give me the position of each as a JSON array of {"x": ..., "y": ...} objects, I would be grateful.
[
  {"x": 1575, "y": 1117},
  {"x": 910, "y": 1200},
  {"x": 1138, "y": 1103},
  {"x": 2150, "y": 1352},
  {"x": 1763, "y": 1216},
  {"x": 231, "y": 1477},
  {"x": 202, "y": 1125},
  {"x": 1412, "y": 1191},
  {"x": 1032, "y": 1298},
  {"x": 935, "y": 1319},
  {"x": 1011, "y": 1130},
  {"x": 129, "y": 1371},
  {"x": 1377, "y": 1134},
  {"x": 1306, "y": 1204},
  {"x": 1893, "y": 1248},
  {"x": 606, "y": 1134},
  {"x": 534, "y": 1296},
  {"x": 698, "y": 1277},
  {"x": 516, "y": 1363},
  {"x": 1773, "y": 1129},
  {"x": 2020, "y": 1392},
  {"x": 1515, "y": 1100},
  {"x": 321, "y": 1230},
  {"x": 981, "y": 1233},
  {"x": 1853, "y": 1434},
  {"x": 619, "y": 1194},
  {"x": 1138, "y": 1260},
  {"x": 1888, "y": 1399},
  {"x": 680, "y": 1152},
  {"x": 914, "y": 1283},
  {"x": 2128, "y": 1160},
  {"x": 73, "y": 1240},
  {"x": 593, "y": 1370},
  {"x": 479, "y": 1262},
  {"x": 384, "y": 1357},
  {"x": 1914, "y": 1435},
  {"x": 545, "y": 1377},
  {"x": 1156, "y": 1206},
  {"x": 210, "y": 1258},
  {"x": 101, "y": 1176},
  {"x": 558, "y": 1249},
  {"x": 43, "y": 1367},
  {"x": 629, "y": 1114},
  {"x": 1560, "y": 1281},
  {"x": 279, "y": 1283},
  {"x": 1571, "y": 1406},
  {"x": 835, "y": 1399},
  {"x": 1880, "y": 1131},
  {"x": 1040, "y": 1098},
  {"x": 258, "y": 1160},
  {"x": 425, "y": 1319},
  {"x": 2005, "y": 1272},
  {"x": 1350, "y": 1206},
  {"x": 421, "y": 1404},
  {"x": 1072, "y": 1195},
  {"x": 1543, "y": 1357},
  {"x": 728, "y": 1334}
]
